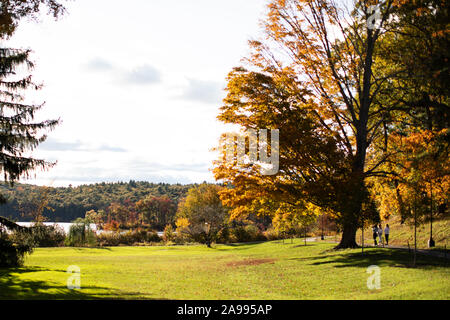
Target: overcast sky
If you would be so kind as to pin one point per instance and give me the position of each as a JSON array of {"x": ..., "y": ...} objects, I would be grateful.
[{"x": 137, "y": 85}]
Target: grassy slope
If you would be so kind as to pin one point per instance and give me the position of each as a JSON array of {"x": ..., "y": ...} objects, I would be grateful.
[
  {"x": 269, "y": 270},
  {"x": 401, "y": 234}
]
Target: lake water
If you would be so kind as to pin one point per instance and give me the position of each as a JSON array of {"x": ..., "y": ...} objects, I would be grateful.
[{"x": 66, "y": 226}]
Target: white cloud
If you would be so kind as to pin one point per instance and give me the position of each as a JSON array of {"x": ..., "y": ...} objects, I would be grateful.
[
  {"x": 99, "y": 64},
  {"x": 203, "y": 91},
  {"x": 142, "y": 75}
]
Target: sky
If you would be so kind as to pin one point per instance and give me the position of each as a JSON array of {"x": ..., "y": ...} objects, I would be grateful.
[{"x": 137, "y": 85}]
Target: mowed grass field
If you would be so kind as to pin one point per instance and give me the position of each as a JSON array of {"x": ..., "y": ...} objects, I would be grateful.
[{"x": 267, "y": 270}]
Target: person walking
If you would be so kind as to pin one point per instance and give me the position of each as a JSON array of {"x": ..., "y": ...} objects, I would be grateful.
[
  {"x": 380, "y": 234},
  {"x": 375, "y": 233},
  {"x": 386, "y": 234}
]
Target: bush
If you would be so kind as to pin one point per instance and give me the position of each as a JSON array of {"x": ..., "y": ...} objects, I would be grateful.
[
  {"x": 224, "y": 235},
  {"x": 248, "y": 233},
  {"x": 254, "y": 233},
  {"x": 272, "y": 234},
  {"x": 168, "y": 235},
  {"x": 153, "y": 237},
  {"x": 80, "y": 234},
  {"x": 182, "y": 235},
  {"x": 108, "y": 239},
  {"x": 180, "y": 239},
  {"x": 14, "y": 247},
  {"x": 111, "y": 238},
  {"x": 48, "y": 236}
]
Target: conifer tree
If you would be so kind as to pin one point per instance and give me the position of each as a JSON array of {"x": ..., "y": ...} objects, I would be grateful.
[{"x": 19, "y": 132}]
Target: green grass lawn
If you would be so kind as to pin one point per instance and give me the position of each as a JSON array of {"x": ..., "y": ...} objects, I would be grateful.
[{"x": 268, "y": 270}]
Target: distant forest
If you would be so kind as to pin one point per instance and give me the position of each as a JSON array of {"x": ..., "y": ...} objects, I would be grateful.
[{"x": 65, "y": 204}]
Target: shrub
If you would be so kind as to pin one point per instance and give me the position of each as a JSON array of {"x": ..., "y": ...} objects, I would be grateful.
[
  {"x": 168, "y": 235},
  {"x": 254, "y": 233},
  {"x": 153, "y": 237},
  {"x": 272, "y": 234},
  {"x": 180, "y": 239},
  {"x": 108, "y": 239},
  {"x": 140, "y": 236},
  {"x": 224, "y": 235},
  {"x": 248, "y": 233},
  {"x": 48, "y": 236},
  {"x": 80, "y": 234},
  {"x": 111, "y": 238},
  {"x": 182, "y": 231},
  {"x": 14, "y": 247}
]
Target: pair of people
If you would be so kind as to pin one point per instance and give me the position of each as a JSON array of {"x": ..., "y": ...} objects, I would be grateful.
[{"x": 378, "y": 232}]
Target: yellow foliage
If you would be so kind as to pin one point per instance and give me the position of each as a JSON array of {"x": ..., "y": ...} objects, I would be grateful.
[{"x": 182, "y": 223}]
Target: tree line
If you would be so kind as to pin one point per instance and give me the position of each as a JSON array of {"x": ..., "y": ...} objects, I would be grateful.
[
  {"x": 124, "y": 202},
  {"x": 199, "y": 217}
]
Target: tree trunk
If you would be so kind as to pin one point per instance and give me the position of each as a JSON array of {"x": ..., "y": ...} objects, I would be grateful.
[
  {"x": 351, "y": 215},
  {"x": 348, "y": 239},
  {"x": 208, "y": 240},
  {"x": 305, "y": 236},
  {"x": 362, "y": 239}
]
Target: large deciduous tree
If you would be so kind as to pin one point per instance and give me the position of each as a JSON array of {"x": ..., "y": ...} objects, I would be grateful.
[{"x": 319, "y": 77}]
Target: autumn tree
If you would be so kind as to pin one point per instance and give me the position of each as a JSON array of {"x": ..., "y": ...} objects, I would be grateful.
[
  {"x": 119, "y": 213},
  {"x": 418, "y": 187},
  {"x": 34, "y": 205},
  {"x": 416, "y": 181},
  {"x": 182, "y": 229},
  {"x": 201, "y": 214},
  {"x": 97, "y": 217},
  {"x": 316, "y": 63},
  {"x": 156, "y": 211},
  {"x": 290, "y": 220}
]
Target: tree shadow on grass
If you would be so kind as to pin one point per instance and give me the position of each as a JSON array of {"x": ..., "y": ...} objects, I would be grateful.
[
  {"x": 13, "y": 287},
  {"x": 379, "y": 257},
  {"x": 90, "y": 248},
  {"x": 254, "y": 244},
  {"x": 302, "y": 245},
  {"x": 239, "y": 246}
]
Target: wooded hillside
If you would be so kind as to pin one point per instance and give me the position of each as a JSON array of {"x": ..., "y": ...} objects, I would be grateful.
[{"x": 64, "y": 204}]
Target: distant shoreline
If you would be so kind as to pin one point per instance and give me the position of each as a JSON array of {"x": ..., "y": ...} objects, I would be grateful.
[{"x": 66, "y": 226}]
